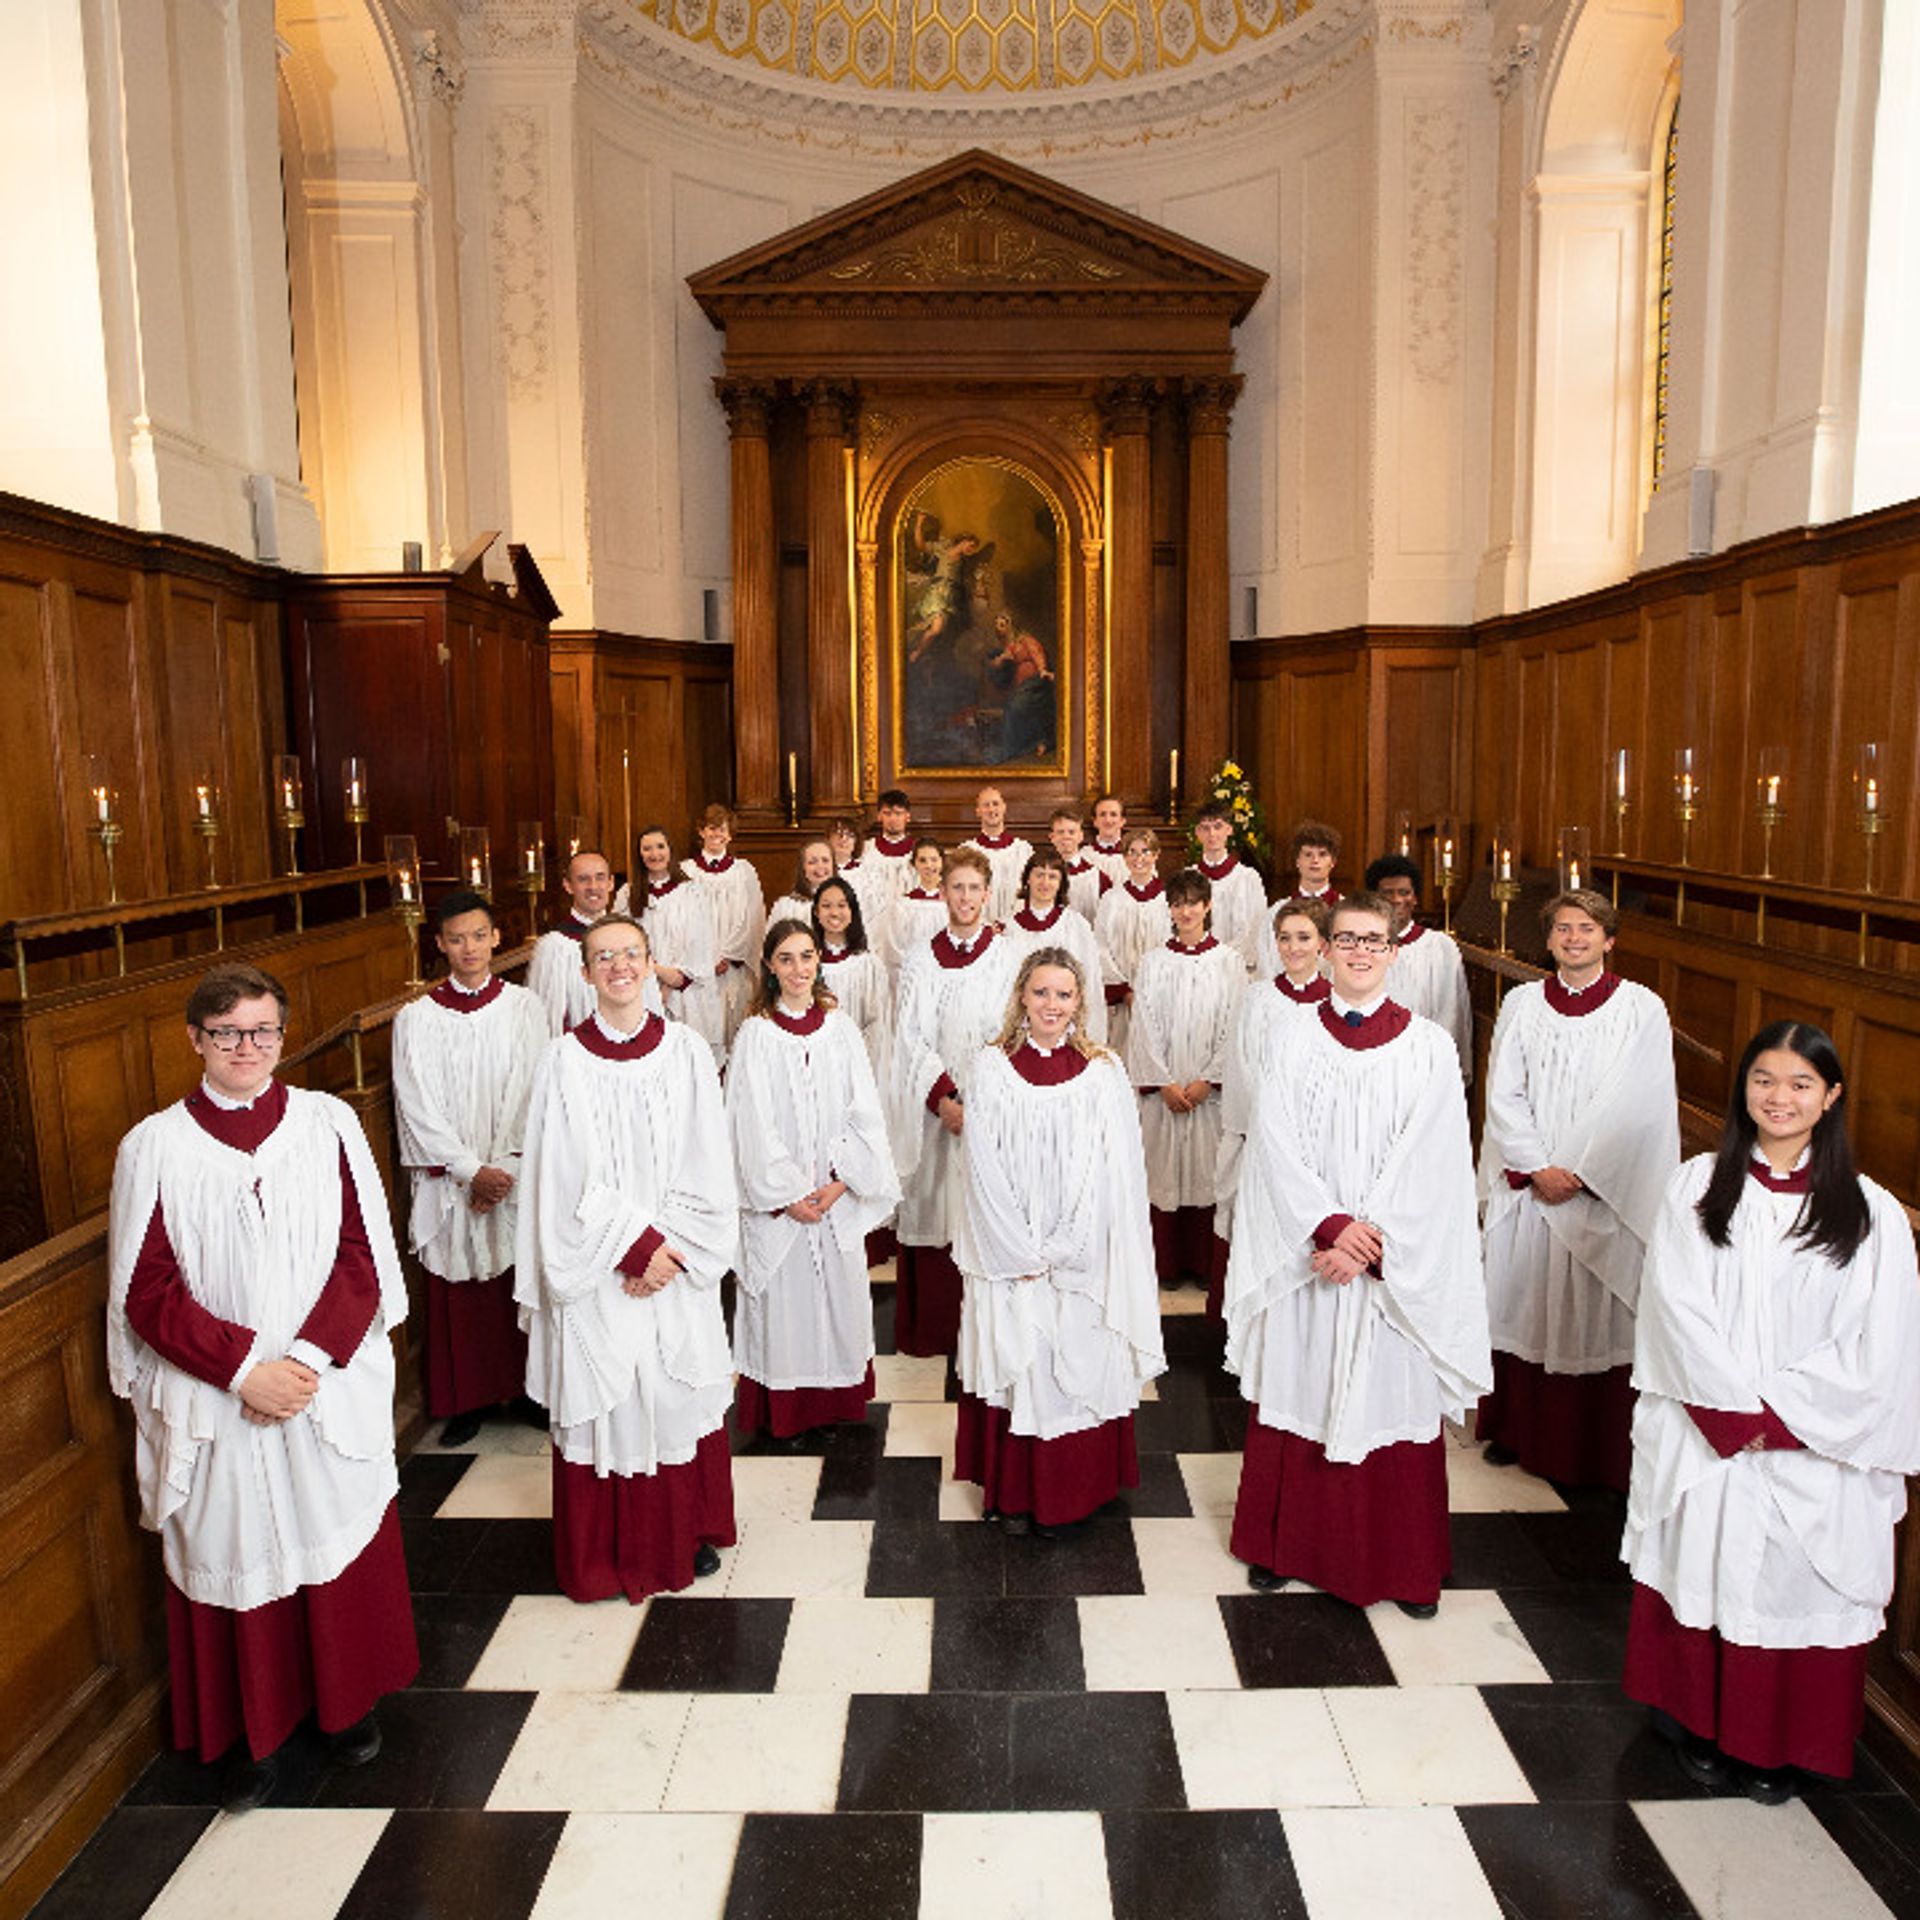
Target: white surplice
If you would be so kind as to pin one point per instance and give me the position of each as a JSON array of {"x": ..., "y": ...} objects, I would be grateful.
[
  {"x": 1181, "y": 1030},
  {"x": 1125, "y": 926},
  {"x": 1264, "y": 1007},
  {"x": 943, "y": 1016},
  {"x": 791, "y": 906},
  {"x": 1239, "y": 905},
  {"x": 803, "y": 1108},
  {"x": 915, "y": 919},
  {"x": 1786, "y": 1547},
  {"x": 613, "y": 1148},
  {"x": 1068, "y": 930},
  {"x": 460, "y": 1088},
  {"x": 1009, "y": 864},
  {"x": 680, "y": 934},
  {"x": 1380, "y": 1135},
  {"x": 246, "y": 1514},
  {"x": 1593, "y": 1093},
  {"x": 739, "y": 925},
  {"x": 555, "y": 977},
  {"x": 1060, "y": 1318},
  {"x": 860, "y": 984},
  {"x": 1430, "y": 979}
]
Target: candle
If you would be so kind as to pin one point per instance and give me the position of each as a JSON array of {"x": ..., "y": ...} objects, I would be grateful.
[
  {"x": 1773, "y": 789},
  {"x": 533, "y": 861},
  {"x": 203, "y": 800},
  {"x": 1873, "y": 797},
  {"x": 1620, "y": 776},
  {"x": 1446, "y": 858},
  {"x": 404, "y": 878},
  {"x": 793, "y": 778},
  {"x": 287, "y": 804},
  {"x": 473, "y": 872},
  {"x": 1574, "y": 881},
  {"x": 1173, "y": 773},
  {"x": 1506, "y": 863},
  {"x": 103, "y": 805},
  {"x": 353, "y": 792}
]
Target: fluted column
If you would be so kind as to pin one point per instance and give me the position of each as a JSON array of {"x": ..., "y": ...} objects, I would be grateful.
[
  {"x": 756, "y": 637},
  {"x": 1209, "y": 671},
  {"x": 1126, "y": 413},
  {"x": 830, "y": 408}
]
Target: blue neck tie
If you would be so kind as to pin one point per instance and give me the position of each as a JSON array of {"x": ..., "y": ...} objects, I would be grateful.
[{"x": 1355, "y": 1019}]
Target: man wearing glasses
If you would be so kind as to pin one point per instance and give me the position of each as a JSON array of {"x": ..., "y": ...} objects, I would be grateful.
[
  {"x": 1356, "y": 1316},
  {"x": 253, "y": 1281},
  {"x": 629, "y": 1217}
]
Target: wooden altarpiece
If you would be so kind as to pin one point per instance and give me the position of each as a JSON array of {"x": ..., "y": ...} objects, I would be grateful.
[{"x": 976, "y": 334}]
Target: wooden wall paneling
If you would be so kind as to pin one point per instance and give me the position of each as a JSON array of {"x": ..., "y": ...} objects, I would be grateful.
[
  {"x": 1884, "y": 1064},
  {"x": 109, "y": 635},
  {"x": 576, "y": 757},
  {"x": 252, "y": 730},
  {"x": 1527, "y": 797},
  {"x": 1419, "y": 737},
  {"x": 1625, "y": 726},
  {"x": 39, "y": 861},
  {"x": 1707, "y": 1004},
  {"x": 1579, "y": 715},
  {"x": 192, "y": 682},
  {"x": 1669, "y": 725},
  {"x": 1873, "y": 697},
  {"x": 707, "y": 730}
]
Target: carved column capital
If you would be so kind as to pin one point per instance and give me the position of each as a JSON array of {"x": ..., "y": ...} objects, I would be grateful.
[
  {"x": 1210, "y": 398},
  {"x": 1515, "y": 62},
  {"x": 749, "y": 405},
  {"x": 1126, "y": 404},
  {"x": 832, "y": 406}
]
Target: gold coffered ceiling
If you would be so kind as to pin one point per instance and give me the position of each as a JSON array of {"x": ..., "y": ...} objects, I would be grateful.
[{"x": 961, "y": 47}]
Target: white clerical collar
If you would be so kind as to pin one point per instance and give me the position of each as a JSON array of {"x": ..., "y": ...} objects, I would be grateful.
[
  {"x": 226, "y": 1102},
  {"x": 1045, "y": 1053},
  {"x": 613, "y": 1033},
  {"x": 968, "y": 944},
  {"x": 579, "y": 919},
  {"x": 1365, "y": 1009},
  {"x": 472, "y": 993},
  {"x": 1313, "y": 893},
  {"x": 1567, "y": 986}
]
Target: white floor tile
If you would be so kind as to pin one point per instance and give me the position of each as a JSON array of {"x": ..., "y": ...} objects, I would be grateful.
[
  {"x": 314, "y": 1855},
  {"x": 884, "y": 1274},
  {"x": 777, "y": 1487},
  {"x": 1424, "y": 1746},
  {"x": 1472, "y": 1642},
  {"x": 1266, "y": 1747},
  {"x": 921, "y": 1427},
  {"x": 1187, "y": 1556},
  {"x": 907, "y": 1376},
  {"x": 1213, "y": 1480},
  {"x": 683, "y": 1861},
  {"x": 1378, "y": 1863},
  {"x": 760, "y": 1753},
  {"x": 858, "y": 1646},
  {"x": 1149, "y": 1390},
  {"x": 549, "y": 1643},
  {"x": 1182, "y": 1300},
  {"x": 801, "y": 1559},
  {"x": 502, "y": 1486},
  {"x": 593, "y": 1753},
  {"x": 1739, "y": 1861},
  {"x": 1132, "y": 1643},
  {"x": 1475, "y": 1487},
  {"x": 959, "y": 1499},
  {"x": 1013, "y": 1866}
]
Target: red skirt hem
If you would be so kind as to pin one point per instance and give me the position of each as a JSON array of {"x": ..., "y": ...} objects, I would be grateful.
[
  {"x": 1576, "y": 1428},
  {"x": 636, "y": 1534},
  {"x": 1372, "y": 1530},
  {"x": 926, "y": 1302},
  {"x": 883, "y": 1244},
  {"x": 331, "y": 1650},
  {"x": 1769, "y": 1706},
  {"x": 1183, "y": 1243},
  {"x": 1057, "y": 1482},
  {"x": 476, "y": 1355},
  {"x": 785, "y": 1411}
]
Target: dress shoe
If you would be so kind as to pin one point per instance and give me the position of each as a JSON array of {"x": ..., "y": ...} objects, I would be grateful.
[
  {"x": 530, "y": 1413},
  {"x": 1495, "y": 1455},
  {"x": 1265, "y": 1580},
  {"x": 1017, "y": 1524},
  {"x": 706, "y": 1560},
  {"x": 461, "y": 1428},
  {"x": 1702, "y": 1762},
  {"x": 354, "y": 1746},
  {"x": 246, "y": 1783},
  {"x": 1770, "y": 1786},
  {"x": 1418, "y": 1609}
]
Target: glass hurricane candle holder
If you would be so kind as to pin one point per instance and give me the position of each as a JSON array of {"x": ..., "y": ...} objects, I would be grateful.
[
  {"x": 103, "y": 818},
  {"x": 353, "y": 792},
  {"x": 1446, "y": 865},
  {"x": 1769, "y": 792},
  {"x": 530, "y": 861},
  {"x": 1402, "y": 836},
  {"x": 476, "y": 860},
  {"x": 405, "y": 893},
  {"x": 1506, "y": 872},
  {"x": 204, "y": 799},
  {"x": 289, "y": 799},
  {"x": 1573, "y": 859}
]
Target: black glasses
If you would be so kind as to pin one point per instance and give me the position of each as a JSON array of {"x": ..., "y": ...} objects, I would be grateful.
[
  {"x": 1361, "y": 942},
  {"x": 228, "y": 1039}
]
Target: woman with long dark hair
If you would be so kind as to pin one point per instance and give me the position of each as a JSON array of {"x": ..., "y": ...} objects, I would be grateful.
[{"x": 1778, "y": 1363}]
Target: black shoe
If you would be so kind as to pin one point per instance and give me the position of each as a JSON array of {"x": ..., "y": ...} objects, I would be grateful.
[
  {"x": 1703, "y": 1763},
  {"x": 1265, "y": 1580},
  {"x": 1017, "y": 1524},
  {"x": 461, "y": 1428},
  {"x": 1771, "y": 1786},
  {"x": 706, "y": 1560},
  {"x": 530, "y": 1413},
  {"x": 1495, "y": 1455},
  {"x": 246, "y": 1783},
  {"x": 354, "y": 1746},
  {"x": 1418, "y": 1609}
]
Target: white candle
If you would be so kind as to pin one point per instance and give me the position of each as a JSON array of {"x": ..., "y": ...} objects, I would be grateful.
[
  {"x": 1506, "y": 864},
  {"x": 1773, "y": 789},
  {"x": 533, "y": 860},
  {"x": 1873, "y": 797},
  {"x": 286, "y": 796},
  {"x": 405, "y": 878},
  {"x": 1173, "y": 773},
  {"x": 473, "y": 872},
  {"x": 203, "y": 800},
  {"x": 1446, "y": 858},
  {"x": 1573, "y": 876},
  {"x": 103, "y": 805},
  {"x": 1620, "y": 776},
  {"x": 353, "y": 794}
]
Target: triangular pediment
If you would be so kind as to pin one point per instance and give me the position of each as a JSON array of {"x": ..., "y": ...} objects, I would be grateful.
[{"x": 975, "y": 227}]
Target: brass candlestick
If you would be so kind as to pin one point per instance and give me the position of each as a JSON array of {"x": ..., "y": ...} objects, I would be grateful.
[
  {"x": 1505, "y": 893},
  {"x": 412, "y": 917},
  {"x": 403, "y": 889},
  {"x": 1871, "y": 826}
]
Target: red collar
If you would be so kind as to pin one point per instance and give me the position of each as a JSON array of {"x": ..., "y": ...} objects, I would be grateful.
[
  {"x": 1413, "y": 933},
  {"x": 656, "y": 890},
  {"x": 1152, "y": 893},
  {"x": 1220, "y": 872},
  {"x": 828, "y": 955},
  {"x": 996, "y": 843},
  {"x": 652, "y": 1031},
  {"x": 1206, "y": 946},
  {"x": 950, "y": 955},
  {"x": 1388, "y": 1021},
  {"x": 1109, "y": 846},
  {"x": 1316, "y": 989},
  {"x": 811, "y": 1021},
  {"x": 1025, "y": 918},
  {"x": 1082, "y": 865},
  {"x": 1588, "y": 1000},
  {"x": 245, "y": 1129},
  {"x": 922, "y": 893},
  {"x": 1053, "y": 1069},
  {"x": 1331, "y": 898},
  {"x": 901, "y": 849},
  {"x": 578, "y": 918},
  {"x": 455, "y": 1000},
  {"x": 1800, "y": 1180},
  {"x": 714, "y": 866}
]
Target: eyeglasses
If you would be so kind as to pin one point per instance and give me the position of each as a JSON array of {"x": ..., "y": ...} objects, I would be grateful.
[
  {"x": 228, "y": 1039},
  {"x": 1361, "y": 942},
  {"x": 613, "y": 956}
]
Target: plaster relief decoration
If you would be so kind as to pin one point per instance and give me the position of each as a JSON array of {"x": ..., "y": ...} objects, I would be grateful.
[
  {"x": 440, "y": 69},
  {"x": 518, "y": 247},
  {"x": 977, "y": 244},
  {"x": 519, "y": 29},
  {"x": 1521, "y": 59},
  {"x": 1436, "y": 190}
]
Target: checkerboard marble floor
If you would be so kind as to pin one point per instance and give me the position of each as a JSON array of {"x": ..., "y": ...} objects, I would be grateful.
[{"x": 882, "y": 1708}]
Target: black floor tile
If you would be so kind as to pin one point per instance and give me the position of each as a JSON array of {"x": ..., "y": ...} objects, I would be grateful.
[
  {"x": 426, "y": 1479},
  {"x": 708, "y": 1646},
  {"x": 438, "y": 1551},
  {"x": 179, "y": 1780},
  {"x": 1576, "y": 1862},
  {"x": 118, "y": 1874},
  {"x": 453, "y": 1630},
  {"x": 479, "y": 1866},
  {"x": 1587, "y": 1742},
  {"x": 1197, "y": 1425},
  {"x": 1493, "y": 1550},
  {"x": 1162, "y": 1492},
  {"x": 835, "y": 1866},
  {"x": 1578, "y": 1632},
  {"x": 1095, "y": 1558},
  {"x": 847, "y": 1440},
  {"x": 1227, "y": 1866},
  {"x": 926, "y": 1753},
  {"x": 1880, "y": 1834},
  {"x": 1294, "y": 1639},
  {"x": 883, "y": 1319},
  {"x": 1007, "y": 1646},
  {"x": 1108, "y": 1751},
  {"x": 1196, "y": 1345},
  {"x": 1578, "y": 1546},
  {"x": 912, "y": 1559},
  {"x": 853, "y": 1488},
  {"x": 512, "y": 1556},
  {"x": 441, "y": 1750}
]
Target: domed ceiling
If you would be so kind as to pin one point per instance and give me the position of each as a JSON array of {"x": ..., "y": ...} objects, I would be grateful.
[{"x": 963, "y": 48}]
